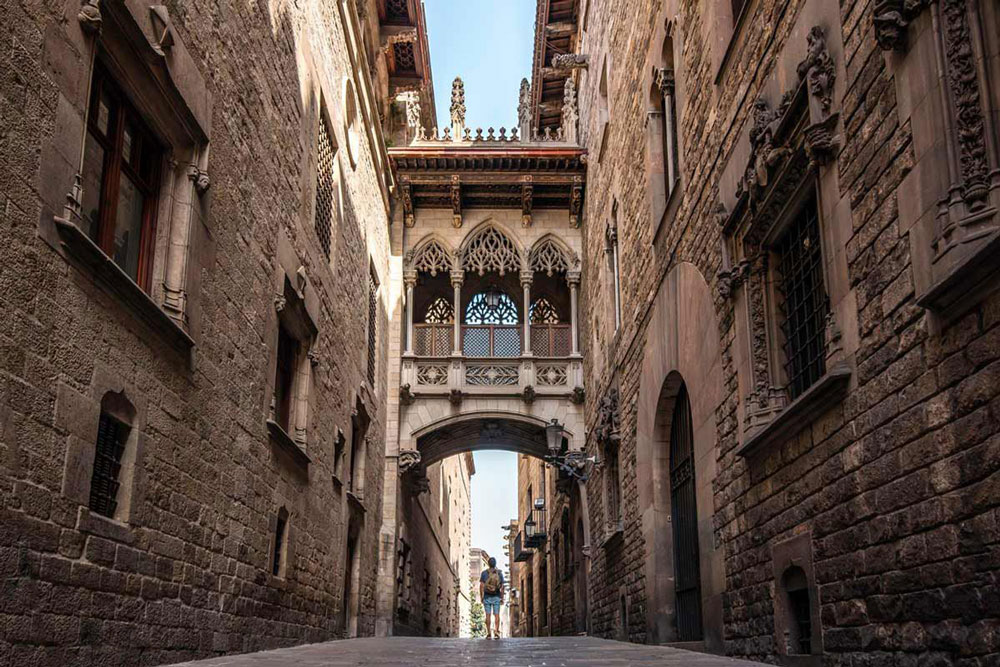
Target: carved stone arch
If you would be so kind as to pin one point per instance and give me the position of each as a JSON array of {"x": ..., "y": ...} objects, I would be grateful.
[
  {"x": 432, "y": 254},
  {"x": 681, "y": 347},
  {"x": 491, "y": 247},
  {"x": 550, "y": 254}
]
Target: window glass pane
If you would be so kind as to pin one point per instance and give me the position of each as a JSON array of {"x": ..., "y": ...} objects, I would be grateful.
[
  {"x": 103, "y": 119},
  {"x": 128, "y": 227},
  {"x": 127, "y": 141},
  {"x": 93, "y": 175}
]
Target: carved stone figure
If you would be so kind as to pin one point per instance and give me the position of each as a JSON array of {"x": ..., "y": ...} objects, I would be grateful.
[
  {"x": 578, "y": 396},
  {"x": 406, "y": 395},
  {"x": 408, "y": 460},
  {"x": 607, "y": 430},
  {"x": 524, "y": 109},
  {"x": 891, "y": 19},
  {"x": 818, "y": 69},
  {"x": 570, "y": 113},
  {"x": 528, "y": 395}
]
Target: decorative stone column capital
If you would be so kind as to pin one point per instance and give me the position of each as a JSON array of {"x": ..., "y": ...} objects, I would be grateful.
[
  {"x": 409, "y": 278},
  {"x": 573, "y": 277},
  {"x": 527, "y": 277},
  {"x": 90, "y": 17},
  {"x": 457, "y": 277}
]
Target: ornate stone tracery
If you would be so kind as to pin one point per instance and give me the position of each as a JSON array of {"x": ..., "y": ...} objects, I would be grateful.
[
  {"x": 549, "y": 258},
  {"x": 491, "y": 250},
  {"x": 432, "y": 257}
]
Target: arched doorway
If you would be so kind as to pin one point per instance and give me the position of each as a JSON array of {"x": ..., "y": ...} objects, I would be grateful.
[{"x": 684, "y": 520}]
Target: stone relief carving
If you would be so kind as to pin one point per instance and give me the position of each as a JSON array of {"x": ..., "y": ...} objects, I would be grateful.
[
  {"x": 549, "y": 258},
  {"x": 432, "y": 258},
  {"x": 963, "y": 80},
  {"x": 607, "y": 431},
  {"x": 529, "y": 394},
  {"x": 455, "y": 396},
  {"x": 578, "y": 396},
  {"x": 570, "y": 61},
  {"x": 491, "y": 250}
]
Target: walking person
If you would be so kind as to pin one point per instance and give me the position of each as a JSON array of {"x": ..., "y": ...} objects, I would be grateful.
[{"x": 491, "y": 593}]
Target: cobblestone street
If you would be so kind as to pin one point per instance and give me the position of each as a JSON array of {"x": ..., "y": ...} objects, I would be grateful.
[{"x": 548, "y": 652}]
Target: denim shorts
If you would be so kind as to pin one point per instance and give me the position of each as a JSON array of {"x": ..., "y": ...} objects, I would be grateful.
[{"x": 492, "y": 604}]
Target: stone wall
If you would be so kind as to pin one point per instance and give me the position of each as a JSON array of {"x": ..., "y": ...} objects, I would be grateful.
[
  {"x": 187, "y": 575},
  {"x": 894, "y": 486}
]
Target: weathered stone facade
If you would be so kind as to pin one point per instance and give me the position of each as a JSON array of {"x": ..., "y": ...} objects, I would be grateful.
[
  {"x": 878, "y": 485},
  {"x": 185, "y": 364}
]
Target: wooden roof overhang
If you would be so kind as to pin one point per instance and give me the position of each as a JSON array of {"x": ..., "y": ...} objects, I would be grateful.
[
  {"x": 457, "y": 178},
  {"x": 398, "y": 21},
  {"x": 555, "y": 33}
]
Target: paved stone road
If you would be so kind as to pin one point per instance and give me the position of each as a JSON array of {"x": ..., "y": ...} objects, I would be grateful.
[{"x": 423, "y": 652}]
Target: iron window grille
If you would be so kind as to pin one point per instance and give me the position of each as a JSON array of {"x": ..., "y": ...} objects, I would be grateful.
[
  {"x": 372, "y": 325},
  {"x": 326, "y": 164},
  {"x": 111, "y": 438},
  {"x": 803, "y": 300}
]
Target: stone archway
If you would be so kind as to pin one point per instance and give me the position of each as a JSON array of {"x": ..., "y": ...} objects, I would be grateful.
[{"x": 681, "y": 349}]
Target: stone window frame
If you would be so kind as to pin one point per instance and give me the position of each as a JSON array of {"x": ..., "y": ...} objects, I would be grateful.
[
  {"x": 613, "y": 258},
  {"x": 296, "y": 310},
  {"x": 665, "y": 83},
  {"x": 945, "y": 63},
  {"x": 796, "y": 552},
  {"x": 726, "y": 33},
  {"x": 356, "y": 462},
  {"x": 148, "y": 62},
  {"x": 794, "y": 142},
  {"x": 607, "y": 434},
  {"x": 372, "y": 329},
  {"x": 77, "y": 415},
  {"x": 603, "y": 107},
  {"x": 279, "y": 544},
  {"x": 352, "y": 120}
]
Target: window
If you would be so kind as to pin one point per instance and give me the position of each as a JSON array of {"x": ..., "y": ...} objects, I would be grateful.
[
  {"x": 280, "y": 541},
  {"x": 611, "y": 249},
  {"x": 372, "y": 324},
  {"x": 441, "y": 311},
  {"x": 359, "y": 433},
  {"x": 327, "y": 185},
  {"x": 112, "y": 436},
  {"x": 667, "y": 106},
  {"x": 803, "y": 300},
  {"x": 121, "y": 177},
  {"x": 798, "y": 621},
  {"x": 284, "y": 377}
]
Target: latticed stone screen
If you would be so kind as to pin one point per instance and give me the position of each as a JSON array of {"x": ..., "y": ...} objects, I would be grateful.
[
  {"x": 492, "y": 375},
  {"x": 326, "y": 161},
  {"x": 403, "y": 54}
]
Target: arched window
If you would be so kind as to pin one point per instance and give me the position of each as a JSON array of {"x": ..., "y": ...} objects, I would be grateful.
[
  {"x": 543, "y": 312},
  {"x": 441, "y": 311},
  {"x": 491, "y": 307},
  {"x": 666, "y": 104}
]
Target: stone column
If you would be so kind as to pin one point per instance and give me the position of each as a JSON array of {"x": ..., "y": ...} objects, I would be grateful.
[
  {"x": 409, "y": 279},
  {"x": 526, "y": 277},
  {"x": 457, "y": 278},
  {"x": 573, "y": 278}
]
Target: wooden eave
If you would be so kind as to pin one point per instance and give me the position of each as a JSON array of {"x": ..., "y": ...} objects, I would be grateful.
[{"x": 555, "y": 33}]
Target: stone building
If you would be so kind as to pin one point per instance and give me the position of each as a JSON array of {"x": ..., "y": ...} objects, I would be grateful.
[
  {"x": 192, "y": 412},
  {"x": 791, "y": 328},
  {"x": 728, "y": 288}
]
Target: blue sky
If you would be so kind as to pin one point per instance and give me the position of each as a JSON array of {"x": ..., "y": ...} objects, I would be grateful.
[{"x": 489, "y": 44}]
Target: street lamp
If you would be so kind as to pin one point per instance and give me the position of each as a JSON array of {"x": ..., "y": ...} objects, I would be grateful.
[{"x": 554, "y": 437}]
